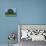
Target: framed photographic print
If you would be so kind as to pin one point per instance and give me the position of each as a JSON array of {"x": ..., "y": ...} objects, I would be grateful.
[{"x": 11, "y": 12}]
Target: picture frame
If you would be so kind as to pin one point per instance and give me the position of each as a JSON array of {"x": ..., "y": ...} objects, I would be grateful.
[{"x": 10, "y": 12}]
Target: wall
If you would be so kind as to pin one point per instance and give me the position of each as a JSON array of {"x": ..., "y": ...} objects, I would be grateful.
[{"x": 28, "y": 12}]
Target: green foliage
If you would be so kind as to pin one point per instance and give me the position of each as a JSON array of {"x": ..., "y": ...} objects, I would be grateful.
[{"x": 10, "y": 12}]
